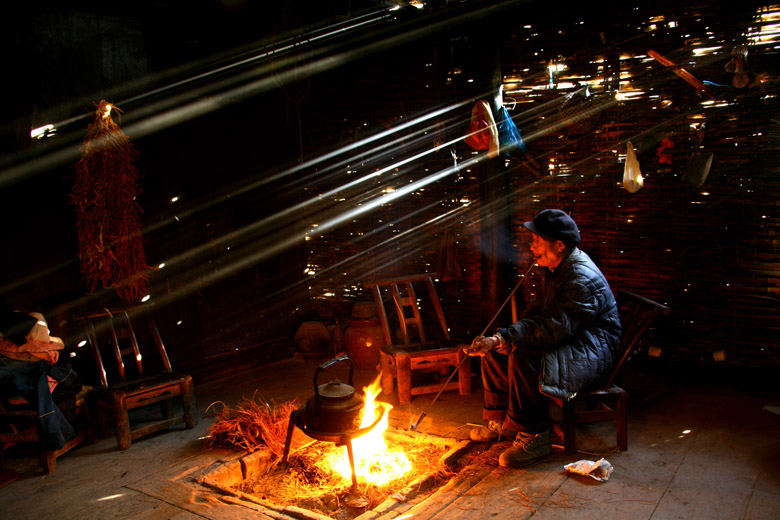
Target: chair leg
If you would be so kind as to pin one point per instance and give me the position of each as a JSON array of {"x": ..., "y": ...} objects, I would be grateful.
[
  {"x": 189, "y": 403},
  {"x": 121, "y": 420},
  {"x": 404, "y": 373},
  {"x": 622, "y": 422},
  {"x": 47, "y": 458},
  {"x": 464, "y": 375},
  {"x": 569, "y": 428},
  {"x": 48, "y": 462},
  {"x": 388, "y": 372}
]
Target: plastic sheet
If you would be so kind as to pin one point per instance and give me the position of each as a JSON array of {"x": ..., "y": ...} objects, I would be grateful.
[{"x": 599, "y": 470}]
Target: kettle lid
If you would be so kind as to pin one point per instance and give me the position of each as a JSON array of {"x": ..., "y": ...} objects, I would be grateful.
[{"x": 336, "y": 390}]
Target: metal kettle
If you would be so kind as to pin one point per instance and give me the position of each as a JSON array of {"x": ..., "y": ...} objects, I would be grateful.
[{"x": 334, "y": 408}]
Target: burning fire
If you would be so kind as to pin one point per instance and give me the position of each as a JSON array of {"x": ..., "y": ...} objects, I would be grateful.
[{"x": 373, "y": 461}]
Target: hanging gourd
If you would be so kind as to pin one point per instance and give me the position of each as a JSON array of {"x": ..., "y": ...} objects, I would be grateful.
[{"x": 108, "y": 215}]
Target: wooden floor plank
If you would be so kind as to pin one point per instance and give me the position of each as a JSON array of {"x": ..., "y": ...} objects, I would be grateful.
[{"x": 727, "y": 464}]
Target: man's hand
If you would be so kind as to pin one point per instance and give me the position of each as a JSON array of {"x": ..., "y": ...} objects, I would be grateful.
[{"x": 482, "y": 345}]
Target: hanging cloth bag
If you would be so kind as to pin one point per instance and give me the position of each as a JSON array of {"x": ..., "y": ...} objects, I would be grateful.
[
  {"x": 632, "y": 176},
  {"x": 483, "y": 134}
]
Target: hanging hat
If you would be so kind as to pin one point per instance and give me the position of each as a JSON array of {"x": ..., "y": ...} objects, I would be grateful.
[{"x": 555, "y": 224}]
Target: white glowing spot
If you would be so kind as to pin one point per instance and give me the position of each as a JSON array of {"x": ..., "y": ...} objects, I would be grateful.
[
  {"x": 82, "y": 343},
  {"x": 705, "y": 50},
  {"x": 138, "y": 357},
  {"x": 146, "y": 298},
  {"x": 174, "y": 199},
  {"x": 108, "y": 111},
  {"x": 178, "y": 322},
  {"x": 73, "y": 354},
  {"x": 110, "y": 497},
  {"x": 629, "y": 95},
  {"x": 41, "y": 132},
  {"x": 161, "y": 265},
  {"x": 686, "y": 432}
]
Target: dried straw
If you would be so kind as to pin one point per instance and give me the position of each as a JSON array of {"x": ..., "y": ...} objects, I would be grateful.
[{"x": 251, "y": 424}]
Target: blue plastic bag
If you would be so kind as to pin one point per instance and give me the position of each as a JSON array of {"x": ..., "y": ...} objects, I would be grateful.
[{"x": 510, "y": 140}]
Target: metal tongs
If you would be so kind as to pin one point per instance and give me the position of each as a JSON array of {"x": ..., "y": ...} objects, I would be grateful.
[{"x": 413, "y": 426}]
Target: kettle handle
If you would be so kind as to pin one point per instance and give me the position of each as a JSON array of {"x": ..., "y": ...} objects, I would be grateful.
[{"x": 328, "y": 364}]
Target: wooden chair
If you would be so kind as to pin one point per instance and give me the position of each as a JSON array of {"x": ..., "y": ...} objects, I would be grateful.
[
  {"x": 115, "y": 331},
  {"x": 609, "y": 402},
  {"x": 21, "y": 426},
  {"x": 413, "y": 353}
]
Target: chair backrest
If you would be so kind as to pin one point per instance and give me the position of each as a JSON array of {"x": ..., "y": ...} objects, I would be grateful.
[
  {"x": 407, "y": 307},
  {"x": 116, "y": 332},
  {"x": 637, "y": 314}
]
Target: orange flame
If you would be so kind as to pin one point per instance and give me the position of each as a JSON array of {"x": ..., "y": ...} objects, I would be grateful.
[{"x": 374, "y": 463}]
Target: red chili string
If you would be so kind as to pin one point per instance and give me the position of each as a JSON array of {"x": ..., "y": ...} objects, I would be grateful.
[{"x": 108, "y": 215}]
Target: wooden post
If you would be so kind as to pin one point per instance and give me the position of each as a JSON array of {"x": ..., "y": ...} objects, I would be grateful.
[{"x": 493, "y": 184}]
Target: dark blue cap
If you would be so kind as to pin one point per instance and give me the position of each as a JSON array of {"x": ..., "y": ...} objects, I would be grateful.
[{"x": 555, "y": 224}]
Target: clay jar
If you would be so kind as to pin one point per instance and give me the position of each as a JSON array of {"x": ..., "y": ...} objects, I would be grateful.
[
  {"x": 364, "y": 338},
  {"x": 312, "y": 340}
]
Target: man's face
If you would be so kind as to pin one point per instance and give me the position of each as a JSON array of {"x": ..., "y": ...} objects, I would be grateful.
[{"x": 547, "y": 253}]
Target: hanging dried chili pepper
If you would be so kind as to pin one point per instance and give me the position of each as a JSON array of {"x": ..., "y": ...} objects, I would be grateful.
[{"x": 108, "y": 214}]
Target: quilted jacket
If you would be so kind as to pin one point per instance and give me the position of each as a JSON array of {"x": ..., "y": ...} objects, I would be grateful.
[{"x": 574, "y": 324}]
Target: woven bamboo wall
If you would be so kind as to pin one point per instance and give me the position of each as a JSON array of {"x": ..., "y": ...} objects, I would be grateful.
[{"x": 711, "y": 253}]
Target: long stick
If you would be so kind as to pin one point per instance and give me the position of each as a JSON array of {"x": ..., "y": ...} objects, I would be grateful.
[{"x": 464, "y": 358}]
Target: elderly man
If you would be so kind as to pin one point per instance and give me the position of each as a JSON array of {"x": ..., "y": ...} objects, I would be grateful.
[{"x": 563, "y": 344}]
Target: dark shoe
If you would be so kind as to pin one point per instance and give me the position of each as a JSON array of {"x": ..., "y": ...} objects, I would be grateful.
[
  {"x": 526, "y": 449},
  {"x": 492, "y": 432}
]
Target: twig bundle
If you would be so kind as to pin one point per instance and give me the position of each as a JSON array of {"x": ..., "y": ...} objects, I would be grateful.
[
  {"x": 251, "y": 424},
  {"x": 108, "y": 215}
]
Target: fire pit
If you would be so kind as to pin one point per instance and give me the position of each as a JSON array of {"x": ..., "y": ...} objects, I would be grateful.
[
  {"x": 304, "y": 490},
  {"x": 352, "y": 463},
  {"x": 333, "y": 415}
]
